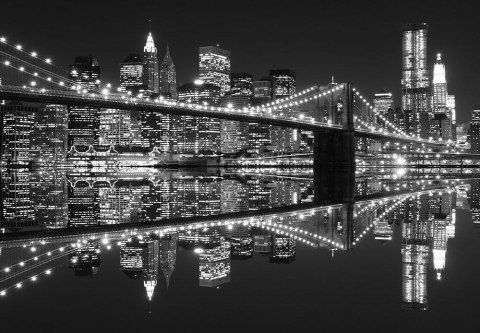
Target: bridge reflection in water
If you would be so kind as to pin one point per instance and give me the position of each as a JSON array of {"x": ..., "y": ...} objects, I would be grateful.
[{"x": 271, "y": 221}]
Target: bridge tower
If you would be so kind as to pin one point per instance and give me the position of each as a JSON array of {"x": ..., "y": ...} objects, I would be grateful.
[{"x": 334, "y": 163}]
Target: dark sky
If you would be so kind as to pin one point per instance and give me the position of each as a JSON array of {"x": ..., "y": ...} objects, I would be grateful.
[{"x": 356, "y": 41}]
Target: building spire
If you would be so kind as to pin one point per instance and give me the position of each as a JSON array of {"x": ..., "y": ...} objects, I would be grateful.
[{"x": 150, "y": 45}]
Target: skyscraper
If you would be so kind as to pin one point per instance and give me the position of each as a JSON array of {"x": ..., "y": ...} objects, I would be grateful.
[
  {"x": 439, "y": 87},
  {"x": 49, "y": 134},
  {"x": 16, "y": 124},
  {"x": 474, "y": 132},
  {"x": 214, "y": 264},
  {"x": 416, "y": 241},
  {"x": 150, "y": 67},
  {"x": 284, "y": 139},
  {"x": 131, "y": 74},
  {"x": 284, "y": 84},
  {"x": 214, "y": 67},
  {"x": 168, "y": 256},
  {"x": 115, "y": 127},
  {"x": 83, "y": 121},
  {"x": 241, "y": 84},
  {"x": 383, "y": 101},
  {"x": 168, "y": 76},
  {"x": 415, "y": 74},
  {"x": 198, "y": 134}
]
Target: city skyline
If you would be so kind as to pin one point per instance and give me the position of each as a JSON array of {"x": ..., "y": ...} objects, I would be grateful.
[{"x": 442, "y": 38}]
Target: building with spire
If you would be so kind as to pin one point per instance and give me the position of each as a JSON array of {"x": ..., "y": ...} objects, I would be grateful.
[
  {"x": 168, "y": 256},
  {"x": 439, "y": 86},
  {"x": 168, "y": 76},
  {"x": 150, "y": 67}
]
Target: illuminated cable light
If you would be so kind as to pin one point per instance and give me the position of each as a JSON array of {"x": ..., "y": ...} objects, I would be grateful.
[{"x": 18, "y": 47}]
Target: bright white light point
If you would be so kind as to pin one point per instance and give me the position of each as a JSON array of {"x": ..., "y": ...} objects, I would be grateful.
[
  {"x": 34, "y": 278},
  {"x": 198, "y": 250},
  {"x": 7, "y": 269},
  {"x": 18, "y": 47},
  {"x": 105, "y": 241},
  {"x": 34, "y": 54},
  {"x": 49, "y": 253},
  {"x": 48, "y": 60},
  {"x": 7, "y": 62},
  {"x": 33, "y": 249},
  {"x": 22, "y": 69},
  {"x": 18, "y": 285},
  {"x": 61, "y": 83},
  {"x": 48, "y": 272},
  {"x": 61, "y": 249},
  {"x": 108, "y": 247},
  {"x": 22, "y": 264},
  {"x": 3, "y": 39},
  {"x": 3, "y": 293}
]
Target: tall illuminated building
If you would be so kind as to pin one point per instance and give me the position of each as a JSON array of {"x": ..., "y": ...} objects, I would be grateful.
[
  {"x": 474, "y": 131},
  {"x": 115, "y": 127},
  {"x": 451, "y": 109},
  {"x": 84, "y": 121},
  {"x": 150, "y": 67},
  {"x": 439, "y": 84},
  {"x": 215, "y": 264},
  {"x": 214, "y": 67},
  {"x": 49, "y": 134},
  {"x": 286, "y": 140},
  {"x": 168, "y": 256},
  {"x": 131, "y": 74},
  {"x": 234, "y": 134},
  {"x": 16, "y": 124},
  {"x": 416, "y": 241},
  {"x": 284, "y": 249},
  {"x": 439, "y": 249},
  {"x": 198, "y": 134},
  {"x": 284, "y": 82},
  {"x": 168, "y": 76},
  {"x": 415, "y": 73},
  {"x": 150, "y": 267},
  {"x": 83, "y": 205},
  {"x": 85, "y": 259},
  {"x": 383, "y": 101},
  {"x": 17, "y": 209},
  {"x": 115, "y": 205},
  {"x": 474, "y": 201},
  {"x": 241, "y": 84},
  {"x": 139, "y": 258}
]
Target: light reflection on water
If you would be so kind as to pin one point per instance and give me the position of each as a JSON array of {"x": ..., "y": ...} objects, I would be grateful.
[{"x": 184, "y": 228}]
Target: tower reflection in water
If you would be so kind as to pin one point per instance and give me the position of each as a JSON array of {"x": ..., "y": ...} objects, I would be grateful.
[{"x": 149, "y": 252}]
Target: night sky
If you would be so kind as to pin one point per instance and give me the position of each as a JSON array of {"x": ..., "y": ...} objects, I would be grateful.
[{"x": 355, "y": 41}]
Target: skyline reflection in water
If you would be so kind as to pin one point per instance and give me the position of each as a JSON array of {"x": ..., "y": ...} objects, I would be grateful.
[{"x": 411, "y": 235}]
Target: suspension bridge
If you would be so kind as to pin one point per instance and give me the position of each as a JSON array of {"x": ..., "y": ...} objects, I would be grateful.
[{"x": 339, "y": 111}]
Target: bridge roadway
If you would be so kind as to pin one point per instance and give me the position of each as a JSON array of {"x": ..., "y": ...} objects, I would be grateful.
[
  {"x": 70, "y": 235},
  {"x": 113, "y": 101}
]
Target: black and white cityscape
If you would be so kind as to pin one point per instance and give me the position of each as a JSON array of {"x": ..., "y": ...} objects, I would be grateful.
[{"x": 282, "y": 169}]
